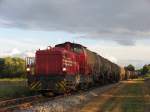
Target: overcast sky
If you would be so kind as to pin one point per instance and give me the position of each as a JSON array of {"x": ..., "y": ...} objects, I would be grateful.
[{"x": 116, "y": 29}]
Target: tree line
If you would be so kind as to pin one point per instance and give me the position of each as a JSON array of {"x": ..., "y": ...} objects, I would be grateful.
[
  {"x": 145, "y": 70},
  {"x": 142, "y": 71},
  {"x": 12, "y": 67}
]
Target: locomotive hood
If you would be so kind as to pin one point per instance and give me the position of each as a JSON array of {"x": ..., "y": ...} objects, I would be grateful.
[{"x": 55, "y": 61}]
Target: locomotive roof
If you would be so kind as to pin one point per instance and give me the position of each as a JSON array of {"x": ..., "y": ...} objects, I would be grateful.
[{"x": 72, "y": 44}]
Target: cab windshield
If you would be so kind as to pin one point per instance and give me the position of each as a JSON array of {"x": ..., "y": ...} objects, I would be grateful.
[{"x": 77, "y": 50}]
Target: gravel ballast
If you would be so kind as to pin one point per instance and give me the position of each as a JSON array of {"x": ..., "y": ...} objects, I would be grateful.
[{"x": 71, "y": 103}]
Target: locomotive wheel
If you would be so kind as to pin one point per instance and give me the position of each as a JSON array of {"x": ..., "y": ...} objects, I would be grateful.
[
  {"x": 84, "y": 86},
  {"x": 47, "y": 94}
]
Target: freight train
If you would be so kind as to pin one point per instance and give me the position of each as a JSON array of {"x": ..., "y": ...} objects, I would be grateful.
[{"x": 70, "y": 66}]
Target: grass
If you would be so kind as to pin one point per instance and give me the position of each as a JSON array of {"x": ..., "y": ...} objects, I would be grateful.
[
  {"x": 13, "y": 88},
  {"x": 131, "y": 99},
  {"x": 8, "y": 92},
  {"x": 143, "y": 77},
  {"x": 134, "y": 104},
  {"x": 147, "y": 75},
  {"x": 13, "y": 79}
]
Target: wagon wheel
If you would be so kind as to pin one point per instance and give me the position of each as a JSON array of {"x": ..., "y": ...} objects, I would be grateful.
[{"x": 47, "y": 94}]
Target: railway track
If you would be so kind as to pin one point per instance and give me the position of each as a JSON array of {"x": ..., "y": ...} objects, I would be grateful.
[
  {"x": 28, "y": 102},
  {"x": 7, "y": 105},
  {"x": 25, "y": 102}
]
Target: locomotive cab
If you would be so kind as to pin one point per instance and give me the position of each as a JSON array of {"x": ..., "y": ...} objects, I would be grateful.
[{"x": 79, "y": 51}]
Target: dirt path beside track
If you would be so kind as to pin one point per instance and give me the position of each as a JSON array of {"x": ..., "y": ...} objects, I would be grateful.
[{"x": 129, "y": 96}]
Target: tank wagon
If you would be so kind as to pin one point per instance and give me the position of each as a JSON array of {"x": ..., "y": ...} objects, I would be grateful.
[
  {"x": 70, "y": 66},
  {"x": 122, "y": 73}
]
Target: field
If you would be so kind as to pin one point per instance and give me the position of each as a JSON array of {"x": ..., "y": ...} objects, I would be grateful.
[
  {"x": 147, "y": 76},
  {"x": 130, "y": 96},
  {"x": 13, "y": 88}
]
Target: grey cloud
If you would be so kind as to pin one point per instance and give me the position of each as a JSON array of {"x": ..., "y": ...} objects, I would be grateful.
[
  {"x": 127, "y": 42},
  {"x": 79, "y": 16},
  {"x": 120, "y": 36}
]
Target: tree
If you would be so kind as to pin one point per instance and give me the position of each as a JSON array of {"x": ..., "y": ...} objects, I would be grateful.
[
  {"x": 145, "y": 69},
  {"x": 130, "y": 67},
  {"x": 1, "y": 65},
  {"x": 13, "y": 67}
]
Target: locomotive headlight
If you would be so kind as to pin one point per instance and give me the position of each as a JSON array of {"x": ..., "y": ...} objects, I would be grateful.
[
  {"x": 28, "y": 69},
  {"x": 64, "y": 69}
]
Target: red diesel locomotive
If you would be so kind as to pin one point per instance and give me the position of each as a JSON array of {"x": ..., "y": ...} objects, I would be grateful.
[{"x": 69, "y": 66}]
